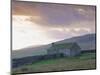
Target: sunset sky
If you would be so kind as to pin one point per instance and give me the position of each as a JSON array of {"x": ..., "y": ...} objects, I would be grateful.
[{"x": 43, "y": 23}]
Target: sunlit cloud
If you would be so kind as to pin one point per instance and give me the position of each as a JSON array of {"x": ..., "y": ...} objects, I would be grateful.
[
  {"x": 87, "y": 29},
  {"x": 44, "y": 23},
  {"x": 67, "y": 29},
  {"x": 81, "y": 11},
  {"x": 57, "y": 29},
  {"x": 36, "y": 17},
  {"x": 26, "y": 33},
  {"x": 77, "y": 29}
]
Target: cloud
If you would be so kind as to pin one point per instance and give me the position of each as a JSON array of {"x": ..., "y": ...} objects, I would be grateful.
[
  {"x": 50, "y": 15},
  {"x": 61, "y": 15},
  {"x": 54, "y": 14},
  {"x": 24, "y": 8},
  {"x": 42, "y": 23}
]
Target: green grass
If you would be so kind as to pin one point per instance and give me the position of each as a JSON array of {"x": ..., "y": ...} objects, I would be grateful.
[{"x": 84, "y": 61}]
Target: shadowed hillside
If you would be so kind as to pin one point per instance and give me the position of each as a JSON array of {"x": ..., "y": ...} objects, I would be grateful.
[{"x": 86, "y": 42}]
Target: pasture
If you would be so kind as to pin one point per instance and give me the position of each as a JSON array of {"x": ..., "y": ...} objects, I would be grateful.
[{"x": 81, "y": 62}]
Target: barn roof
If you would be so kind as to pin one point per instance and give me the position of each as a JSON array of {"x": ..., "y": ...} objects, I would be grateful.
[{"x": 63, "y": 45}]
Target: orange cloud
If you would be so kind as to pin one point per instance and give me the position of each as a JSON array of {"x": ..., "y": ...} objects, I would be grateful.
[{"x": 24, "y": 8}]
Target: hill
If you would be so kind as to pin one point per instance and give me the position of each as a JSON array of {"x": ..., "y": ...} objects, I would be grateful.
[{"x": 86, "y": 42}]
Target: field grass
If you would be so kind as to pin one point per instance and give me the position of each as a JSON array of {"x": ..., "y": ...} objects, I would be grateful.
[{"x": 84, "y": 61}]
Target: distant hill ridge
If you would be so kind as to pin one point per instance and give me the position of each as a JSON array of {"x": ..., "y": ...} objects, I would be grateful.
[{"x": 86, "y": 42}]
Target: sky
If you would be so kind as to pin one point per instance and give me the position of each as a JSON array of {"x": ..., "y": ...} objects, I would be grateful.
[{"x": 43, "y": 23}]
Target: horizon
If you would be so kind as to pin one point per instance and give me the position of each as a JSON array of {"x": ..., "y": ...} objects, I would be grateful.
[
  {"x": 44, "y": 23},
  {"x": 55, "y": 41}
]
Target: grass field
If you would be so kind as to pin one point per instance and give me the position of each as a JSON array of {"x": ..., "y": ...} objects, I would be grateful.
[{"x": 84, "y": 61}]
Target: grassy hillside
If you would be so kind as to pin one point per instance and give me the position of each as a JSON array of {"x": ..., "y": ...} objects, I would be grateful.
[
  {"x": 86, "y": 42},
  {"x": 84, "y": 61}
]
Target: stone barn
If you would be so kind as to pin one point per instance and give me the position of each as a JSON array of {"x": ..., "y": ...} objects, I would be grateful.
[{"x": 64, "y": 49}]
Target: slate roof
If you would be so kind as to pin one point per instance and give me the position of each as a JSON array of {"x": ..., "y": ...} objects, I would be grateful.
[{"x": 62, "y": 46}]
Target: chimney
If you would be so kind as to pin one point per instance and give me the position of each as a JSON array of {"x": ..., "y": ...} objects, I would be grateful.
[{"x": 52, "y": 44}]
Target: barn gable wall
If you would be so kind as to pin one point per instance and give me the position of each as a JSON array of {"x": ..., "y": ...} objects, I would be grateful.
[
  {"x": 69, "y": 49},
  {"x": 66, "y": 52},
  {"x": 75, "y": 50}
]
